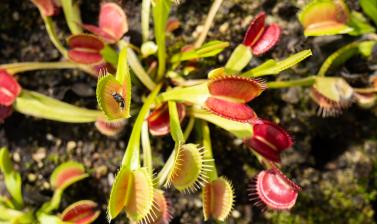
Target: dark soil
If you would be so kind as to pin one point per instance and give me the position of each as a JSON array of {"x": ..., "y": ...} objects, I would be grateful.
[{"x": 333, "y": 159}]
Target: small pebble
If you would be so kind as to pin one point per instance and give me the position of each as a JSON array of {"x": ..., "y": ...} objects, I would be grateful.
[
  {"x": 110, "y": 178},
  {"x": 71, "y": 145},
  {"x": 46, "y": 185},
  {"x": 198, "y": 203},
  {"x": 39, "y": 155},
  {"x": 101, "y": 171},
  {"x": 49, "y": 137},
  {"x": 31, "y": 177},
  {"x": 224, "y": 27},
  {"x": 236, "y": 214},
  {"x": 16, "y": 157}
]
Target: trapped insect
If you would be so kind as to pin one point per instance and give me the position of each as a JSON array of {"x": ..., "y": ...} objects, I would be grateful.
[{"x": 119, "y": 99}]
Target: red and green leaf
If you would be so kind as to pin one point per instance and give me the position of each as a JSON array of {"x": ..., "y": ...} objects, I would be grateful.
[
  {"x": 81, "y": 212},
  {"x": 325, "y": 17},
  {"x": 66, "y": 174},
  {"x": 85, "y": 48}
]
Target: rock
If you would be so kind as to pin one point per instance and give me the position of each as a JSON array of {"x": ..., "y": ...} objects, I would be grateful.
[{"x": 39, "y": 155}]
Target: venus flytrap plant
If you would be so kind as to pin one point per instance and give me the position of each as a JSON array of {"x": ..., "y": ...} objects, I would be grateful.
[
  {"x": 160, "y": 11},
  {"x": 333, "y": 94},
  {"x": 258, "y": 39},
  {"x": 186, "y": 166},
  {"x": 370, "y": 9},
  {"x": 159, "y": 120},
  {"x": 38, "y": 105},
  {"x": 160, "y": 213},
  {"x": 133, "y": 186},
  {"x": 16, "y": 211},
  {"x": 272, "y": 189},
  {"x": 331, "y": 17},
  {"x": 112, "y": 23},
  {"x": 269, "y": 140},
  {"x": 218, "y": 194},
  {"x": 114, "y": 93},
  {"x": 85, "y": 49}
]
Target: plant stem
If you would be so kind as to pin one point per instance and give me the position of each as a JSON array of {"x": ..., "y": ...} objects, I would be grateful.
[
  {"x": 147, "y": 150},
  {"x": 308, "y": 81},
  {"x": 31, "y": 66},
  {"x": 161, "y": 11},
  {"x": 208, "y": 155},
  {"x": 189, "y": 127},
  {"x": 207, "y": 25},
  {"x": 41, "y": 106},
  {"x": 72, "y": 16},
  {"x": 145, "y": 14},
  {"x": 138, "y": 69},
  {"x": 131, "y": 158},
  {"x": 175, "y": 126},
  {"x": 51, "y": 30},
  {"x": 238, "y": 129}
]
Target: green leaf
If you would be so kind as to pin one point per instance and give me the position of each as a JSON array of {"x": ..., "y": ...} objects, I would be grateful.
[
  {"x": 50, "y": 219},
  {"x": 38, "y": 105},
  {"x": 161, "y": 11},
  {"x": 175, "y": 124},
  {"x": 273, "y": 67},
  {"x": 12, "y": 178},
  {"x": 13, "y": 182},
  {"x": 204, "y": 131},
  {"x": 6, "y": 165},
  {"x": 61, "y": 178},
  {"x": 139, "y": 71},
  {"x": 52, "y": 34},
  {"x": 147, "y": 148},
  {"x": 123, "y": 76},
  {"x": 112, "y": 97},
  {"x": 145, "y": 14},
  {"x": 240, "y": 57},
  {"x": 240, "y": 130},
  {"x": 11, "y": 216},
  {"x": 209, "y": 49},
  {"x": 370, "y": 8},
  {"x": 197, "y": 94},
  {"x": 344, "y": 53},
  {"x": 120, "y": 192},
  {"x": 110, "y": 55},
  {"x": 131, "y": 158},
  {"x": 67, "y": 174},
  {"x": 72, "y": 16},
  {"x": 359, "y": 24},
  {"x": 325, "y": 17}
]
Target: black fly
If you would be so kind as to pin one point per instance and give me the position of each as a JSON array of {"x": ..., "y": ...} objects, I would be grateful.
[{"x": 119, "y": 99}]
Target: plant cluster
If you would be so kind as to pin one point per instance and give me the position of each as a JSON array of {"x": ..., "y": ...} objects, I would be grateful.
[
  {"x": 172, "y": 97},
  {"x": 14, "y": 210}
]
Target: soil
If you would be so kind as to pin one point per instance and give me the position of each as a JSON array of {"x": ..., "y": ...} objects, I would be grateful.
[{"x": 333, "y": 159}]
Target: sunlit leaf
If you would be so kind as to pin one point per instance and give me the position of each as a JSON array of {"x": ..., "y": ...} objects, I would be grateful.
[
  {"x": 273, "y": 67},
  {"x": 38, "y": 105},
  {"x": 370, "y": 8},
  {"x": 12, "y": 178},
  {"x": 239, "y": 129},
  {"x": 161, "y": 11},
  {"x": 175, "y": 124},
  {"x": 239, "y": 58},
  {"x": 67, "y": 174},
  {"x": 81, "y": 212},
  {"x": 209, "y": 49},
  {"x": 345, "y": 53},
  {"x": 325, "y": 17},
  {"x": 111, "y": 97},
  {"x": 359, "y": 24},
  {"x": 218, "y": 199}
]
